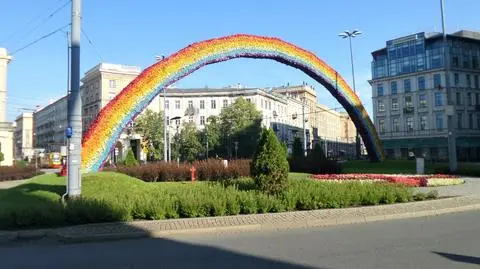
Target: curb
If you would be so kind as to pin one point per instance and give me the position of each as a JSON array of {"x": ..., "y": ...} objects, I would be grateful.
[{"x": 265, "y": 226}]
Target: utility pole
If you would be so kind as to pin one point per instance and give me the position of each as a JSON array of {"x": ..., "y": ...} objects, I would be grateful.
[
  {"x": 350, "y": 35},
  {"x": 74, "y": 129},
  {"x": 304, "y": 129},
  {"x": 452, "y": 137},
  {"x": 165, "y": 156}
]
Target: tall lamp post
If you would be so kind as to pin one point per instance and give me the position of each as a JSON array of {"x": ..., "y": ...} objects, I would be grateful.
[{"x": 351, "y": 34}]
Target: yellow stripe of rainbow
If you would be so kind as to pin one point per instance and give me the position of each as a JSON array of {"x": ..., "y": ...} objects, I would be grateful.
[{"x": 111, "y": 120}]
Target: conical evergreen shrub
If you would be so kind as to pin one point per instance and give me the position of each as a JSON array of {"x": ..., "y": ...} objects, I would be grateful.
[{"x": 269, "y": 165}]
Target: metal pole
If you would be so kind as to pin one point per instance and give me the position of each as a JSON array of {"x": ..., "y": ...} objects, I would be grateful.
[
  {"x": 206, "y": 137},
  {"x": 357, "y": 138},
  {"x": 304, "y": 130},
  {"x": 169, "y": 146},
  {"x": 452, "y": 145},
  {"x": 75, "y": 107},
  {"x": 165, "y": 157}
]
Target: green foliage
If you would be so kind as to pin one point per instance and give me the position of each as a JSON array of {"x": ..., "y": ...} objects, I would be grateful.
[
  {"x": 190, "y": 146},
  {"x": 297, "y": 148},
  {"x": 212, "y": 133},
  {"x": 21, "y": 163},
  {"x": 130, "y": 159},
  {"x": 269, "y": 164},
  {"x": 2, "y": 157},
  {"x": 150, "y": 126},
  {"x": 108, "y": 196},
  {"x": 240, "y": 122},
  {"x": 317, "y": 153}
]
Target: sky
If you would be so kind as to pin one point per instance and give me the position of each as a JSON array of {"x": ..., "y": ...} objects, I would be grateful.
[{"x": 134, "y": 32}]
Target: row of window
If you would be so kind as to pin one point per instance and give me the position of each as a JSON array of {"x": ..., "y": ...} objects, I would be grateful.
[
  {"x": 423, "y": 123},
  {"x": 422, "y": 85},
  {"x": 422, "y": 101}
]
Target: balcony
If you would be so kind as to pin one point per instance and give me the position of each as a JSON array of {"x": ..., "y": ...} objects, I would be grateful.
[{"x": 408, "y": 110}]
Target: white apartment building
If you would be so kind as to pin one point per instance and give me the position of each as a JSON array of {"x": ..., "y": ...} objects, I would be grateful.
[
  {"x": 50, "y": 123},
  {"x": 410, "y": 98},
  {"x": 6, "y": 128},
  {"x": 23, "y": 137}
]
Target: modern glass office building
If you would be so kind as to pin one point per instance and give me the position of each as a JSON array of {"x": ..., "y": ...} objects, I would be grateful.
[{"x": 410, "y": 99}]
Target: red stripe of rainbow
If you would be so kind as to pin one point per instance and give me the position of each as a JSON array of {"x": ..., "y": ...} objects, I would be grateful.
[{"x": 113, "y": 118}]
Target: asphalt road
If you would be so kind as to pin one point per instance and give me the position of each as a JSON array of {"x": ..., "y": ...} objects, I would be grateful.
[{"x": 447, "y": 241}]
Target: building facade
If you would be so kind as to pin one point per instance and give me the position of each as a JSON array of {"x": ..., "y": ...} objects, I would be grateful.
[
  {"x": 410, "y": 101},
  {"x": 24, "y": 148},
  {"x": 50, "y": 123},
  {"x": 6, "y": 128}
]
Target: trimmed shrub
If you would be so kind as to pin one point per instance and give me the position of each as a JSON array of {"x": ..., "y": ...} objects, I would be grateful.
[
  {"x": 211, "y": 170},
  {"x": 314, "y": 163},
  {"x": 8, "y": 173},
  {"x": 130, "y": 159},
  {"x": 269, "y": 165}
]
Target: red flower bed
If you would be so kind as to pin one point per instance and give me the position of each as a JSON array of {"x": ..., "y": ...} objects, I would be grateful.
[{"x": 410, "y": 180}]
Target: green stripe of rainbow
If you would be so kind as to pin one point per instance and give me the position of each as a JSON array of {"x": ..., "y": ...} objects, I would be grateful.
[{"x": 113, "y": 118}]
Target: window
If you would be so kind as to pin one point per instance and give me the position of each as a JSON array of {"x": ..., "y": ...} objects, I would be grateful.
[
  {"x": 456, "y": 79},
  {"x": 470, "y": 121},
  {"x": 261, "y": 103},
  {"x": 112, "y": 83},
  {"x": 380, "y": 89},
  {"x": 396, "y": 125},
  {"x": 202, "y": 104},
  {"x": 437, "y": 81},
  {"x": 478, "y": 121},
  {"x": 381, "y": 126},
  {"x": 422, "y": 100},
  {"x": 408, "y": 102},
  {"x": 407, "y": 87},
  {"x": 249, "y": 100},
  {"x": 380, "y": 106},
  {"x": 168, "y": 120},
  {"x": 167, "y": 104},
  {"x": 455, "y": 61},
  {"x": 202, "y": 120},
  {"x": 438, "y": 99},
  {"x": 177, "y": 122},
  {"x": 460, "y": 120},
  {"x": 477, "y": 99},
  {"x": 177, "y": 104},
  {"x": 190, "y": 119},
  {"x": 213, "y": 104},
  {"x": 459, "y": 99},
  {"x": 190, "y": 103},
  {"x": 394, "y": 104},
  {"x": 469, "y": 81},
  {"x": 393, "y": 87},
  {"x": 423, "y": 122},
  {"x": 475, "y": 78},
  {"x": 439, "y": 121},
  {"x": 421, "y": 83},
  {"x": 225, "y": 102},
  {"x": 410, "y": 124},
  {"x": 469, "y": 98}
]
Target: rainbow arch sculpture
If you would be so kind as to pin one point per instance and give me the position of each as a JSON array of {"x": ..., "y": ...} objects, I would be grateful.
[{"x": 113, "y": 118}]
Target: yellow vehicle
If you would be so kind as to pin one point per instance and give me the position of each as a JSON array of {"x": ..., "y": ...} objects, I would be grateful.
[{"x": 54, "y": 160}]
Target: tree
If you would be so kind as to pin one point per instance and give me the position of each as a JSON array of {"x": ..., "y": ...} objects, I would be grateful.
[
  {"x": 150, "y": 126},
  {"x": 297, "y": 148},
  {"x": 211, "y": 132},
  {"x": 130, "y": 159},
  {"x": 190, "y": 146},
  {"x": 317, "y": 154},
  {"x": 269, "y": 164},
  {"x": 240, "y": 122},
  {"x": 2, "y": 157}
]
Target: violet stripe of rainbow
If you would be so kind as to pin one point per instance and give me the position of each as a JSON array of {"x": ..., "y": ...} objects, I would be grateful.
[{"x": 135, "y": 97}]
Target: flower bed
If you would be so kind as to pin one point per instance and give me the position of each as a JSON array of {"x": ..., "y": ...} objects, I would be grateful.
[{"x": 409, "y": 180}]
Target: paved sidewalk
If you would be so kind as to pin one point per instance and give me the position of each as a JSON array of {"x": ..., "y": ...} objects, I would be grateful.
[{"x": 242, "y": 223}]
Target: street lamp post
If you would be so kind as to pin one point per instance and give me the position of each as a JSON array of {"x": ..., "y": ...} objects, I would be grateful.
[{"x": 351, "y": 34}]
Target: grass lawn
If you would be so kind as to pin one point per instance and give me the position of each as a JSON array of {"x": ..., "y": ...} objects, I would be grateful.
[
  {"x": 406, "y": 167},
  {"x": 108, "y": 196}
]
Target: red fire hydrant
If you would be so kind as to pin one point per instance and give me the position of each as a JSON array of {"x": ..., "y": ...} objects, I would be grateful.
[{"x": 193, "y": 174}]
